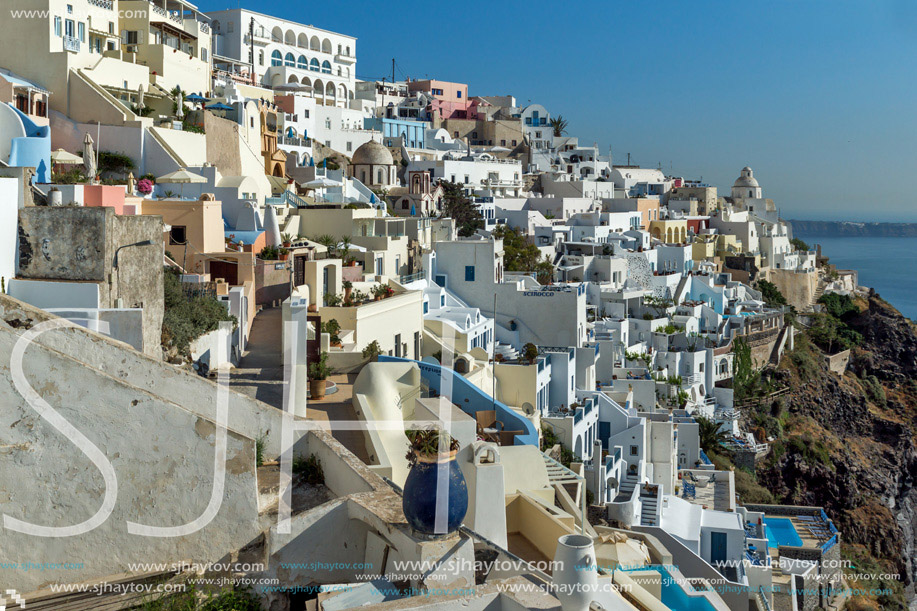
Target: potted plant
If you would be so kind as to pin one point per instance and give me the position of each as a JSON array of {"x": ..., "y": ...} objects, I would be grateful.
[
  {"x": 431, "y": 455},
  {"x": 283, "y": 254},
  {"x": 377, "y": 292},
  {"x": 318, "y": 373},
  {"x": 332, "y": 328},
  {"x": 348, "y": 289},
  {"x": 530, "y": 352},
  {"x": 287, "y": 240},
  {"x": 359, "y": 297}
]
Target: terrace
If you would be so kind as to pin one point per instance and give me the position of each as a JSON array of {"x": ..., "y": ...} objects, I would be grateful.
[{"x": 709, "y": 489}]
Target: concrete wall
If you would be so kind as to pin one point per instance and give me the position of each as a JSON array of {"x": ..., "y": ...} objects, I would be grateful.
[
  {"x": 838, "y": 362},
  {"x": 160, "y": 454},
  {"x": 250, "y": 417},
  {"x": 49, "y": 294}
]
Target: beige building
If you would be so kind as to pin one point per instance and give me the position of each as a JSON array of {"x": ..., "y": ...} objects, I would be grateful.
[{"x": 96, "y": 56}]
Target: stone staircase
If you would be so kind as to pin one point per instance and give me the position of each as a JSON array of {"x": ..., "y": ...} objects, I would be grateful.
[
  {"x": 650, "y": 503},
  {"x": 628, "y": 484},
  {"x": 506, "y": 351}
]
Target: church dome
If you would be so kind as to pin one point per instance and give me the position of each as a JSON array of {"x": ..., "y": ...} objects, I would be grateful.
[
  {"x": 372, "y": 153},
  {"x": 747, "y": 179}
]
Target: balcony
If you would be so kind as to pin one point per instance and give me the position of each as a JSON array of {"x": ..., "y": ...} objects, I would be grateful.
[
  {"x": 349, "y": 60},
  {"x": 72, "y": 44}
]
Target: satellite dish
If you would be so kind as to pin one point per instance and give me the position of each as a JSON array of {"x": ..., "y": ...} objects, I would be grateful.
[{"x": 528, "y": 409}]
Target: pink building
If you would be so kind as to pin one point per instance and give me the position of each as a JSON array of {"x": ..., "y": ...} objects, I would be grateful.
[
  {"x": 111, "y": 196},
  {"x": 450, "y": 100}
]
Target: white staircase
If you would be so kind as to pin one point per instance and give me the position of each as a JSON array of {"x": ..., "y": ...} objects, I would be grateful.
[
  {"x": 506, "y": 351},
  {"x": 628, "y": 484},
  {"x": 650, "y": 504}
]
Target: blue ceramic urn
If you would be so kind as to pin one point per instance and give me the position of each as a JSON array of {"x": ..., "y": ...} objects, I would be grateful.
[{"x": 420, "y": 491}]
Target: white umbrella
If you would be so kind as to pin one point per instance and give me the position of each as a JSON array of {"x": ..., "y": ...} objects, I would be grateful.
[
  {"x": 181, "y": 177},
  {"x": 321, "y": 183},
  {"x": 180, "y": 113},
  {"x": 62, "y": 156},
  {"x": 140, "y": 96},
  {"x": 89, "y": 158},
  {"x": 293, "y": 87}
]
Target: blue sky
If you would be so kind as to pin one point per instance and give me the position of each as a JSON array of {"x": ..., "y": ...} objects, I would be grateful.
[{"x": 817, "y": 96}]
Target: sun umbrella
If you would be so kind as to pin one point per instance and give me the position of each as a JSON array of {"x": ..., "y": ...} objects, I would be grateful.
[
  {"x": 140, "y": 96},
  {"x": 62, "y": 156},
  {"x": 321, "y": 183},
  {"x": 180, "y": 113},
  {"x": 219, "y": 106},
  {"x": 89, "y": 158},
  {"x": 181, "y": 177},
  {"x": 195, "y": 97},
  {"x": 293, "y": 87}
]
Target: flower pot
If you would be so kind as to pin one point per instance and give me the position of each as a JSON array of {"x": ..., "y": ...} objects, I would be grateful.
[
  {"x": 312, "y": 307},
  {"x": 420, "y": 494},
  {"x": 575, "y": 574},
  {"x": 317, "y": 389},
  {"x": 284, "y": 256},
  {"x": 347, "y": 293}
]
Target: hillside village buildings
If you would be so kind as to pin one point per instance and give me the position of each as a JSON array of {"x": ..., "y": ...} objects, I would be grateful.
[{"x": 154, "y": 155}]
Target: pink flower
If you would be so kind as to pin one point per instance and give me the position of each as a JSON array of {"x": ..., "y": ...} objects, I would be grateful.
[{"x": 145, "y": 186}]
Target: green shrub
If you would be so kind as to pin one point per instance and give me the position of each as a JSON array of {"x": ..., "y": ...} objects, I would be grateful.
[
  {"x": 186, "y": 318},
  {"x": 310, "y": 469}
]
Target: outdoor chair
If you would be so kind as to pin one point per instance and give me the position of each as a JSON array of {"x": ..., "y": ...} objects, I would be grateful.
[{"x": 488, "y": 426}]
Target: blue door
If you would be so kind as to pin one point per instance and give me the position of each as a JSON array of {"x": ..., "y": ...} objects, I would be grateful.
[{"x": 717, "y": 547}]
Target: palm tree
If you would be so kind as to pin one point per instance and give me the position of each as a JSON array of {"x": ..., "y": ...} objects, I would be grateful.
[
  {"x": 710, "y": 436},
  {"x": 344, "y": 250},
  {"x": 327, "y": 241},
  {"x": 559, "y": 125}
]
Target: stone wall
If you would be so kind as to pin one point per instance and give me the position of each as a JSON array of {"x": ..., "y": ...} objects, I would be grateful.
[
  {"x": 79, "y": 244},
  {"x": 797, "y": 287},
  {"x": 837, "y": 363}
]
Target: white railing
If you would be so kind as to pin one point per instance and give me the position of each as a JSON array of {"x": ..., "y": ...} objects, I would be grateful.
[
  {"x": 71, "y": 43},
  {"x": 106, "y": 4}
]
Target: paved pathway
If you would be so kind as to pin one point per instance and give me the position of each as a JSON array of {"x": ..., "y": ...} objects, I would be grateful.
[
  {"x": 260, "y": 371},
  {"x": 260, "y": 375}
]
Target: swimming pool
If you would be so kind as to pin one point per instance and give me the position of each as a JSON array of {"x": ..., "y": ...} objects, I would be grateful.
[
  {"x": 674, "y": 595},
  {"x": 780, "y": 531}
]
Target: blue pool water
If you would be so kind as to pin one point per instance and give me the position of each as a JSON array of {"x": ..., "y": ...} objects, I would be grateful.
[
  {"x": 780, "y": 531},
  {"x": 674, "y": 597}
]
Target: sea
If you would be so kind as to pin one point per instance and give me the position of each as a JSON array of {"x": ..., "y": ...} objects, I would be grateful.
[{"x": 888, "y": 265}]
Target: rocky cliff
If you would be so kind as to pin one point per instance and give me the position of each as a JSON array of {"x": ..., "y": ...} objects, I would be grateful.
[
  {"x": 844, "y": 229},
  {"x": 849, "y": 443}
]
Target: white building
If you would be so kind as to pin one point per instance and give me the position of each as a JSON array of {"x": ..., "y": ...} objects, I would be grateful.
[
  {"x": 480, "y": 174},
  {"x": 281, "y": 52}
]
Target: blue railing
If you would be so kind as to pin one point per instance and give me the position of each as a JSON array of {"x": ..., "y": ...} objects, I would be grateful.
[
  {"x": 704, "y": 458},
  {"x": 471, "y": 399},
  {"x": 829, "y": 544}
]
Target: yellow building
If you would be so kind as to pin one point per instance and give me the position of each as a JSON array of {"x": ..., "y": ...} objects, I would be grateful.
[{"x": 670, "y": 231}]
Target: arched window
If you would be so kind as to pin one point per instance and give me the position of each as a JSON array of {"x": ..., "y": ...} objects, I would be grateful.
[
  {"x": 302, "y": 63},
  {"x": 326, "y": 67},
  {"x": 277, "y": 35},
  {"x": 289, "y": 38},
  {"x": 380, "y": 176},
  {"x": 302, "y": 41},
  {"x": 260, "y": 58},
  {"x": 314, "y": 65},
  {"x": 289, "y": 60},
  {"x": 276, "y": 58},
  {"x": 314, "y": 44},
  {"x": 348, "y": 51},
  {"x": 326, "y": 46}
]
